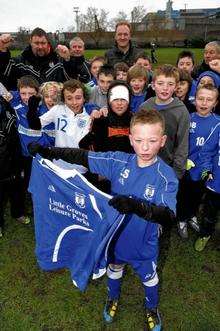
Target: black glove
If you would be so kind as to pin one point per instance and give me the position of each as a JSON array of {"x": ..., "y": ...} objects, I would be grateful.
[
  {"x": 71, "y": 155},
  {"x": 35, "y": 148},
  {"x": 142, "y": 208},
  {"x": 124, "y": 204},
  {"x": 32, "y": 117},
  {"x": 33, "y": 102}
]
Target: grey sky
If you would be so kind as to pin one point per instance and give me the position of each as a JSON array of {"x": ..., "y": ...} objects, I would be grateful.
[{"x": 52, "y": 15}]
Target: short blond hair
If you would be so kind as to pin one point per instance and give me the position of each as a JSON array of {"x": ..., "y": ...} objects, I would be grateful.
[
  {"x": 167, "y": 70},
  {"x": 150, "y": 116},
  {"x": 209, "y": 87},
  {"x": 137, "y": 71}
]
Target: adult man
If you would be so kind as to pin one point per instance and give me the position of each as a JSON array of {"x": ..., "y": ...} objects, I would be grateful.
[
  {"x": 38, "y": 60},
  {"x": 77, "y": 48},
  {"x": 211, "y": 52},
  {"x": 123, "y": 50}
]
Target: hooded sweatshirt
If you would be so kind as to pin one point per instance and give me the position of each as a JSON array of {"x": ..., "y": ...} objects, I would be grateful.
[{"x": 176, "y": 116}]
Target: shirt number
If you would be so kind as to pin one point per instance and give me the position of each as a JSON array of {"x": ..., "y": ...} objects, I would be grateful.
[
  {"x": 200, "y": 141},
  {"x": 61, "y": 124}
]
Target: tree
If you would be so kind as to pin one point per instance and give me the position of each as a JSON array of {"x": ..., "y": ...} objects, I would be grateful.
[
  {"x": 23, "y": 35},
  {"x": 137, "y": 14},
  {"x": 122, "y": 16},
  {"x": 93, "y": 20}
]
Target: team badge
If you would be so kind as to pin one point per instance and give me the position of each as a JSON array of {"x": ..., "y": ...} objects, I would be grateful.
[
  {"x": 81, "y": 123},
  {"x": 80, "y": 200},
  {"x": 149, "y": 192}
]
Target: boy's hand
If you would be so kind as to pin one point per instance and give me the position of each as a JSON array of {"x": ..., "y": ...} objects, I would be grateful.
[
  {"x": 123, "y": 204},
  {"x": 104, "y": 111},
  {"x": 33, "y": 102},
  {"x": 206, "y": 175},
  {"x": 189, "y": 164},
  {"x": 127, "y": 205},
  {"x": 95, "y": 114},
  {"x": 35, "y": 148}
]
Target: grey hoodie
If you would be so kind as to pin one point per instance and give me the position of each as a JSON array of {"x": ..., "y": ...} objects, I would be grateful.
[{"x": 175, "y": 151}]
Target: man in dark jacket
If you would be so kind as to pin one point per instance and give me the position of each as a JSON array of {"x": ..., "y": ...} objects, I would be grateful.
[
  {"x": 38, "y": 60},
  {"x": 211, "y": 52},
  {"x": 77, "y": 48},
  {"x": 123, "y": 50}
]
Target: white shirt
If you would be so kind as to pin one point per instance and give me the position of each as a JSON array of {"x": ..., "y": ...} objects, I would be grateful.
[{"x": 70, "y": 128}]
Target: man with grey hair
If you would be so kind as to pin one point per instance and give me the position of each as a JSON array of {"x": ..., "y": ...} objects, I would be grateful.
[
  {"x": 77, "y": 48},
  {"x": 211, "y": 52}
]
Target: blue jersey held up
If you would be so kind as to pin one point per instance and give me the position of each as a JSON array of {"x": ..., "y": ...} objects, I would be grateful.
[{"x": 74, "y": 224}]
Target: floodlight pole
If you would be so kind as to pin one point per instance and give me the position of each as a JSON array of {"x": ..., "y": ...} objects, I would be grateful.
[{"x": 76, "y": 11}]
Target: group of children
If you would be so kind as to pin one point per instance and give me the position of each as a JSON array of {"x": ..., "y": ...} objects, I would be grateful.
[{"x": 144, "y": 132}]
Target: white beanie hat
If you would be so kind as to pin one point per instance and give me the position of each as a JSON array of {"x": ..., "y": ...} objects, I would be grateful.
[{"x": 119, "y": 92}]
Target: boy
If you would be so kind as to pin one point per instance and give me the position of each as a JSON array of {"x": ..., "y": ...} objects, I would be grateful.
[
  {"x": 98, "y": 94},
  {"x": 144, "y": 60},
  {"x": 144, "y": 187},
  {"x": 186, "y": 61},
  {"x": 137, "y": 79},
  {"x": 210, "y": 173},
  {"x": 71, "y": 120},
  {"x": 121, "y": 71},
  {"x": 95, "y": 64},
  {"x": 202, "y": 123},
  {"x": 209, "y": 77},
  {"x": 183, "y": 89},
  {"x": 51, "y": 94},
  {"x": 175, "y": 114},
  {"x": 111, "y": 132}
]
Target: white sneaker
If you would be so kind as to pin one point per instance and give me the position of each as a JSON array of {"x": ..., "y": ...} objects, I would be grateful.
[
  {"x": 182, "y": 229},
  {"x": 194, "y": 223}
]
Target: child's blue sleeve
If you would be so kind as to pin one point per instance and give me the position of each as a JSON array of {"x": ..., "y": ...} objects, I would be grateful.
[
  {"x": 104, "y": 164},
  {"x": 210, "y": 149},
  {"x": 89, "y": 107}
]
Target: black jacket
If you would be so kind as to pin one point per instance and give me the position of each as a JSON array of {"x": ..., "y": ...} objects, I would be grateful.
[
  {"x": 109, "y": 133},
  {"x": 43, "y": 68},
  {"x": 83, "y": 70},
  {"x": 10, "y": 150},
  {"x": 115, "y": 55}
]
